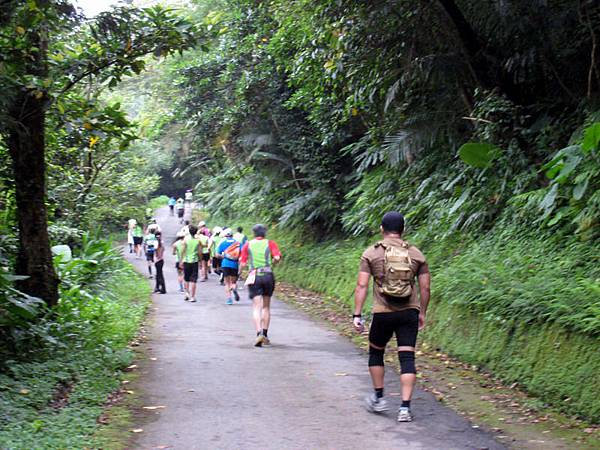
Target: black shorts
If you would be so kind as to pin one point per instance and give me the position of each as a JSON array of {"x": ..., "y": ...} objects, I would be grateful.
[
  {"x": 138, "y": 240},
  {"x": 216, "y": 262},
  {"x": 190, "y": 272},
  {"x": 263, "y": 285},
  {"x": 206, "y": 257},
  {"x": 404, "y": 324},
  {"x": 180, "y": 212},
  {"x": 171, "y": 207},
  {"x": 178, "y": 266},
  {"x": 229, "y": 272},
  {"x": 150, "y": 256}
]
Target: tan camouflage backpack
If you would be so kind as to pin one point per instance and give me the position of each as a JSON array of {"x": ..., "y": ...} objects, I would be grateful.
[{"x": 398, "y": 276}]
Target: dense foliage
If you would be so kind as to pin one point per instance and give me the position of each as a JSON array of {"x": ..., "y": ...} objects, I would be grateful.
[{"x": 478, "y": 120}]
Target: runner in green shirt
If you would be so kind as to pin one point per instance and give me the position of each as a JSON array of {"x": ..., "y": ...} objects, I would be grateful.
[
  {"x": 191, "y": 251},
  {"x": 178, "y": 252}
]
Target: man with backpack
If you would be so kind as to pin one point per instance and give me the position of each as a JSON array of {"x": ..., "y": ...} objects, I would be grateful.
[
  {"x": 229, "y": 252},
  {"x": 260, "y": 254},
  {"x": 399, "y": 307}
]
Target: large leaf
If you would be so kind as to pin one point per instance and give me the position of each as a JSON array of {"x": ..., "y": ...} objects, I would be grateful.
[
  {"x": 591, "y": 138},
  {"x": 478, "y": 154}
]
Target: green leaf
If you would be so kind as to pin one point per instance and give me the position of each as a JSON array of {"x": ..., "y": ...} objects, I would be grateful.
[
  {"x": 579, "y": 189},
  {"x": 478, "y": 154},
  {"x": 547, "y": 204},
  {"x": 591, "y": 138}
]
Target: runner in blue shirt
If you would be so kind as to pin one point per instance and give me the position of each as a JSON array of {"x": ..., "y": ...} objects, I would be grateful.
[
  {"x": 171, "y": 204},
  {"x": 229, "y": 251}
]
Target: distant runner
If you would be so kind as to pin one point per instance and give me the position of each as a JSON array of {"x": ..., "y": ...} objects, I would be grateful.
[
  {"x": 159, "y": 262},
  {"x": 130, "y": 227},
  {"x": 393, "y": 263},
  {"x": 172, "y": 202},
  {"x": 215, "y": 241},
  {"x": 138, "y": 239},
  {"x": 188, "y": 197},
  {"x": 191, "y": 256},
  {"x": 150, "y": 246},
  {"x": 205, "y": 254},
  {"x": 178, "y": 252},
  {"x": 180, "y": 207},
  {"x": 229, "y": 252},
  {"x": 240, "y": 236},
  {"x": 259, "y": 254}
]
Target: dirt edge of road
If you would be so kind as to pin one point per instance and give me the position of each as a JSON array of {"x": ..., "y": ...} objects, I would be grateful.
[{"x": 515, "y": 418}]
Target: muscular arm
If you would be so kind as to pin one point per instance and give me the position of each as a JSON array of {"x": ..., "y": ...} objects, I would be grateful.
[
  {"x": 425, "y": 291},
  {"x": 360, "y": 293}
]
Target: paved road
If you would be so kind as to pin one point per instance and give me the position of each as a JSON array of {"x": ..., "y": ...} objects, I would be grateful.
[{"x": 304, "y": 392}]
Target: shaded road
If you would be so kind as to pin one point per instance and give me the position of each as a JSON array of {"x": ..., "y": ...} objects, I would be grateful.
[{"x": 303, "y": 392}]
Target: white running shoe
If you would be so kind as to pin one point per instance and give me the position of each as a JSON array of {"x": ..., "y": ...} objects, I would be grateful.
[
  {"x": 376, "y": 405},
  {"x": 404, "y": 415}
]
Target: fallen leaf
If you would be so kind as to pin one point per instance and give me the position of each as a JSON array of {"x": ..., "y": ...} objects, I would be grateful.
[
  {"x": 137, "y": 430},
  {"x": 130, "y": 392},
  {"x": 341, "y": 374},
  {"x": 153, "y": 359},
  {"x": 24, "y": 391},
  {"x": 153, "y": 407},
  {"x": 133, "y": 366}
]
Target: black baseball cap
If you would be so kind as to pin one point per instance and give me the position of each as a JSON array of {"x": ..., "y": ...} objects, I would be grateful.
[{"x": 393, "y": 222}]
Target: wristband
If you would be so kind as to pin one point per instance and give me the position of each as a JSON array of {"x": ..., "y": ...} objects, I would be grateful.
[{"x": 354, "y": 316}]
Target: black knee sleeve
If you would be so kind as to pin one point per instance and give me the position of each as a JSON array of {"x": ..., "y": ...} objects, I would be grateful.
[
  {"x": 375, "y": 356},
  {"x": 407, "y": 362}
]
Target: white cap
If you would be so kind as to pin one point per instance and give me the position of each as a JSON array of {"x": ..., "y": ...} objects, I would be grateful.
[
  {"x": 202, "y": 223},
  {"x": 227, "y": 232}
]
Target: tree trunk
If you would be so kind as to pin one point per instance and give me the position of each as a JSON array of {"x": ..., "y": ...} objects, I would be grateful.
[
  {"x": 26, "y": 144},
  {"x": 27, "y": 148}
]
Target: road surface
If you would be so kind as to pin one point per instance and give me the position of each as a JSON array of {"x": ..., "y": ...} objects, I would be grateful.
[{"x": 216, "y": 391}]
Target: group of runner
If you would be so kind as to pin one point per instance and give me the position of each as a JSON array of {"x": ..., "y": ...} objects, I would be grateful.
[{"x": 399, "y": 302}]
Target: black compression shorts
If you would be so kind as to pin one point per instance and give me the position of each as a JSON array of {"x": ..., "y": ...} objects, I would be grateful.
[
  {"x": 263, "y": 285},
  {"x": 180, "y": 212},
  {"x": 230, "y": 272},
  {"x": 404, "y": 324},
  {"x": 138, "y": 240},
  {"x": 206, "y": 257},
  {"x": 190, "y": 272},
  {"x": 150, "y": 256}
]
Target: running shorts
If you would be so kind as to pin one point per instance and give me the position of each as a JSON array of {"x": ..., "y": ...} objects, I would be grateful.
[
  {"x": 404, "y": 324},
  {"x": 190, "y": 272},
  {"x": 206, "y": 257},
  {"x": 138, "y": 240},
  {"x": 230, "y": 272},
  {"x": 216, "y": 262},
  {"x": 180, "y": 212},
  {"x": 150, "y": 256},
  {"x": 178, "y": 266},
  {"x": 263, "y": 285}
]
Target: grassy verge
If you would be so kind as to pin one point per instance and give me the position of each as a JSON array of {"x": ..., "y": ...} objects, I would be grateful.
[
  {"x": 55, "y": 401},
  {"x": 158, "y": 202}
]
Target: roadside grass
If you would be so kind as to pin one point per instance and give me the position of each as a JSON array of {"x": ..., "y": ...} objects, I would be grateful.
[
  {"x": 158, "y": 202},
  {"x": 54, "y": 400}
]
